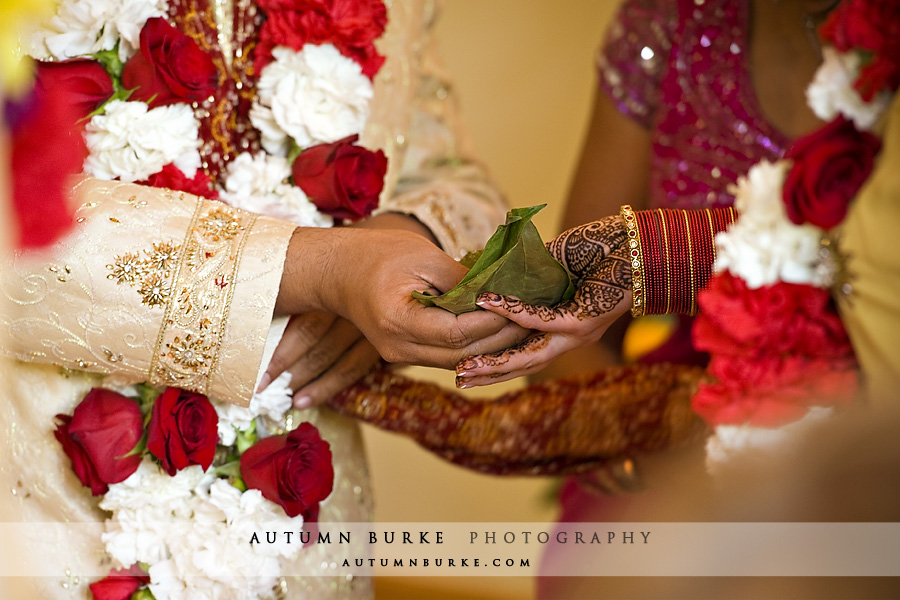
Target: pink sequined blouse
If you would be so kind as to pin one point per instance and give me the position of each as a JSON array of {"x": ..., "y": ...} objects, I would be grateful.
[{"x": 680, "y": 68}]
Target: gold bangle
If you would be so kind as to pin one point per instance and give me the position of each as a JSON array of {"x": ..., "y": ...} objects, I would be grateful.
[{"x": 637, "y": 261}]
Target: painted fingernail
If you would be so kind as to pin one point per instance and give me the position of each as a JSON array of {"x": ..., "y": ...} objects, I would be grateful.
[
  {"x": 462, "y": 382},
  {"x": 302, "y": 402},
  {"x": 466, "y": 365},
  {"x": 264, "y": 382},
  {"x": 488, "y": 298}
]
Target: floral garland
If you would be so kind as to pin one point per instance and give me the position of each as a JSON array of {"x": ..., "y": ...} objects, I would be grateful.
[
  {"x": 780, "y": 356},
  {"x": 164, "y": 461}
]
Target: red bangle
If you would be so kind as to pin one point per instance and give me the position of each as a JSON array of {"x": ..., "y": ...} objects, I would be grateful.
[{"x": 673, "y": 253}]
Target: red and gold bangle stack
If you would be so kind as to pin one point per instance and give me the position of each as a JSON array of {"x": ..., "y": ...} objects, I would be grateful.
[{"x": 672, "y": 255}]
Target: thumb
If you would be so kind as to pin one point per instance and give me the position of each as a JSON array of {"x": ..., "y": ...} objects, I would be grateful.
[{"x": 444, "y": 273}]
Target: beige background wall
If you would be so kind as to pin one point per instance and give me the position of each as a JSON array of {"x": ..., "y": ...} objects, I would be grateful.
[{"x": 524, "y": 72}]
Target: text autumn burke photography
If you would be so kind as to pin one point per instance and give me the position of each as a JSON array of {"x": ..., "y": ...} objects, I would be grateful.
[{"x": 375, "y": 538}]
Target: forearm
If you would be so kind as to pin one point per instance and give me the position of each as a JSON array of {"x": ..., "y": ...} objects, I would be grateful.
[
  {"x": 546, "y": 429},
  {"x": 148, "y": 287}
]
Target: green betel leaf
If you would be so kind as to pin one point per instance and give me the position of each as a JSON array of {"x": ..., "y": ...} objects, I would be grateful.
[{"x": 514, "y": 262}]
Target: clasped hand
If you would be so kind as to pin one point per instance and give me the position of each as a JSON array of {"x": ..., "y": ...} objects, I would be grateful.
[
  {"x": 596, "y": 255},
  {"x": 350, "y": 293}
]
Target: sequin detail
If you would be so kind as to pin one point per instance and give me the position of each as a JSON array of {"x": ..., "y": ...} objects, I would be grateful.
[
  {"x": 681, "y": 70},
  {"x": 149, "y": 276}
]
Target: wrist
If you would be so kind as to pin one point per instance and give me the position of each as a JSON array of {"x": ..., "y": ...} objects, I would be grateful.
[
  {"x": 308, "y": 278},
  {"x": 672, "y": 253},
  {"x": 402, "y": 221}
]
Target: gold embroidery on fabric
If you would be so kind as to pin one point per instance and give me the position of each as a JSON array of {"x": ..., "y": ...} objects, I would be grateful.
[{"x": 195, "y": 283}]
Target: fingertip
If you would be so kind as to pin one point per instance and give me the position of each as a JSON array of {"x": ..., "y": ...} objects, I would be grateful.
[
  {"x": 302, "y": 402},
  {"x": 488, "y": 298},
  {"x": 264, "y": 382},
  {"x": 463, "y": 382},
  {"x": 465, "y": 366}
]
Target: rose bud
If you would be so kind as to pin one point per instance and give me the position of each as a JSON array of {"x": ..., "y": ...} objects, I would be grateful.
[
  {"x": 292, "y": 470},
  {"x": 183, "y": 430},
  {"x": 86, "y": 83},
  {"x": 343, "y": 180},
  {"x": 102, "y": 430},
  {"x": 170, "y": 67},
  {"x": 120, "y": 584}
]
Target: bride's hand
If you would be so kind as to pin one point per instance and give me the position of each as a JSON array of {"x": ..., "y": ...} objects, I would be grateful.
[
  {"x": 597, "y": 257},
  {"x": 324, "y": 353}
]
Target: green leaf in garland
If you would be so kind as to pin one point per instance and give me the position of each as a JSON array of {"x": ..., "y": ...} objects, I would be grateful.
[{"x": 514, "y": 262}]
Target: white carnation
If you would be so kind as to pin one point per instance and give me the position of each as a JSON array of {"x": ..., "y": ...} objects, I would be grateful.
[
  {"x": 831, "y": 91},
  {"x": 149, "y": 509},
  {"x": 316, "y": 95},
  {"x": 151, "y": 486},
  {"x": 764, "y": 247},
  {"x": 270, "y": 403},
  {"x": 757, "y": 195},
  {"x": 84, "y": 27},
  {"x": 249, "y": 175},
  {"x": 131, "y": 142},
  {"x": 248, "y": 512},
  {"x": 259, "y": 184},
  {"x": 213, "y": 556},
  {"x": 731, "y": 441}
]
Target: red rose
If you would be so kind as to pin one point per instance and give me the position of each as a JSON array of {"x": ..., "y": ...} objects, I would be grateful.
[
  {"x": 343, "y": 180},
  {"x": 830, "y": 165},
  {"x": 351, "y": 25},
  {"x": 120, "y": 584},
  {"x": 86, "y": 82},
  {"x": 171, "y": 177},
  {"x": 882, "y": 73},
  {"x": 294, "y": 471},
  {"x": 104, "y": 427},
  {"x": 170, "y": 67},
  {"x": 183, "y": 430},
  {"x": 873, "y": 27}
]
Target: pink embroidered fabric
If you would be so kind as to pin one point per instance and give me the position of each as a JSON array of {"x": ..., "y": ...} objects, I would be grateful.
[{"x": 680, "y": 68}]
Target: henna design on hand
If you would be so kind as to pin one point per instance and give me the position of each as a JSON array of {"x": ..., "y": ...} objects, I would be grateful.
[
  {"x": 598, "y": 258},
  {"x": 602, "y": 284},
  {"x": 582, "y": 248},
  {"x": 532, "y": 343}
]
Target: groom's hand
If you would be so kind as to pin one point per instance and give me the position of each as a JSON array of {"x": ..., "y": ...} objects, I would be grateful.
[
  {"x": 368, "y": 276},
  {"x": 323, "y": 352}
]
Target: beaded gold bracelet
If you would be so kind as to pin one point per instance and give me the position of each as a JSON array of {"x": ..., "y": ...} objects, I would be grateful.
[{"x": 637, "y": 261}]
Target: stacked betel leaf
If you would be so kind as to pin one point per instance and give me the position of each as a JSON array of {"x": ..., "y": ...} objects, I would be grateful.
[{"x": 514, "y": 262}]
